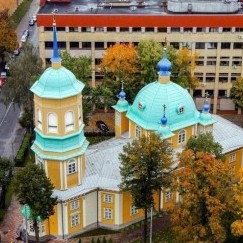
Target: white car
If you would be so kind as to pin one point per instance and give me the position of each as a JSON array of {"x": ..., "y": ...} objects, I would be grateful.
[{"x": 23, "y": 38}]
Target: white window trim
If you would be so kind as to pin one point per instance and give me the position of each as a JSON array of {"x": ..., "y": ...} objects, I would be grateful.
[
  {"x": 39, "y": 118},
  {"x": 69, "y": 125},
  {"x": 108, "y": 198},
  {"x": 74, "y": 204},
  {"x": 168, "y": 196},
  {"x": 70, "y": 167},
  {"x": 137, "y": 131},
  {"x": 182, "y": 136},
  {"x": 52, "y": 128},
  {"x": 133, "y": 210},
  {"x": 75, "y": 221},
  {"x": 107, "y": 213},
  {"x": 232, "y": 157}
]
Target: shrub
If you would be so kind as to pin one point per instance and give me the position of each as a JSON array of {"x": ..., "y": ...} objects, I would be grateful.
[{"x": 20, "y": 157}]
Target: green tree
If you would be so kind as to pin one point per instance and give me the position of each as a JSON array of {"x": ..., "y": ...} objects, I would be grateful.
[
  {"x": 145, "y": 166},
  {"x": 205, "y": 143},
  {"x": 23, "y": 72},
  {"x": 5, "y": 176},
  {"x": 236, "y": 92},
  {"x": 149, "y": 54},
  {"x": 8, "y": 36},
  {"x": 33, "y": 188},
  {"x": 203, "y": 182}
]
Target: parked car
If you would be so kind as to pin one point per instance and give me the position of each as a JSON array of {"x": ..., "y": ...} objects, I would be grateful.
[
  {"x": 3, "y": 77},
  {"x": 34, "y": 18},
  {"x": 26, "y": 33},
  {"x": 31, "y": 21},
  {"x": 16, "y": 52},
  {"x": 102, "y": 126}
]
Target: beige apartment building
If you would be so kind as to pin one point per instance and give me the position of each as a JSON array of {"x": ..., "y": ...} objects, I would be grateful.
[{"x": 88, "y": 29}]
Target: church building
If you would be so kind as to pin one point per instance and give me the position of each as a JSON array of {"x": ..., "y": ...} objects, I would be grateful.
[{"x": 87, "y": 179}]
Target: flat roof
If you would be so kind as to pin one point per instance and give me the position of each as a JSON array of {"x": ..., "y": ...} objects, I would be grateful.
[{"x": 110, "y": 7}]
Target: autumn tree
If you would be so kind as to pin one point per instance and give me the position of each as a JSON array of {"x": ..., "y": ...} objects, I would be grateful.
[
  {"x": 149, "y": 53},
  {"x": 8, "y": 36},
  {"x": 145, "y": 166},
  {"x": 24, "y": 71},
  {"x": 5, "y": 176},
  {"x": 236, "y": 92},
  {"x": 205, "y": 143},
  {"x": 183, "y": 65},
  {"x": 203, "y": 182},
  {"x": 119, "y": 65},
  {"x": 33, "y": 188}
]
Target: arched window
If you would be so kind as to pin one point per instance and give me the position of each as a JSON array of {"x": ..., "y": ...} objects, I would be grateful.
[
  {"x": 52, "y": 123},
  {"x": 80, "y": 114},
  {"x": 69, "y": 121},
  {"x": 182, "y": 136},
  {"x": 39, "y": 118},
  {"x": 72, "y": 166},
  {"x": 138, "y": 131}
]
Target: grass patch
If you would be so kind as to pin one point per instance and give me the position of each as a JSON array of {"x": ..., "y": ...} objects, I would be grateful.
[
  {"x": 97, "y": 232},
  {"x": 19, "y": 13},
  {"x": 94, "y": 140},
  {"x": 10, "y": 191},
  {"x": 165, "y": 236}
]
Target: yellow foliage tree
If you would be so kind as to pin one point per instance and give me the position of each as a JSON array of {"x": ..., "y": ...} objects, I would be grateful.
[
  {"x": 236, "y": 204},
  {"x": 201, "y": 181}
]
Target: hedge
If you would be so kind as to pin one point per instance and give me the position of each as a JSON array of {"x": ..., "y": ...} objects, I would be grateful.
[{"x": 20, "y": 157}]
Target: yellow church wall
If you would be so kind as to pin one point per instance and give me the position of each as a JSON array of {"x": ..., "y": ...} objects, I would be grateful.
[
  {"x": 72, "y": 179},
  {"x": 53, "y": 168},
  {"x": 235, "y": 159},
  {"x": 174, "y": 139},
  {"x": 52, "y": 223},
  {"x": 75, "y": 211},
  {"x": 108, "y": 205},
  {"x": 156, "y": 197},
  {"x": 124, "y": 123},
  {"x": 132, "y": 128},
  {"x": 127, "y": 204}
]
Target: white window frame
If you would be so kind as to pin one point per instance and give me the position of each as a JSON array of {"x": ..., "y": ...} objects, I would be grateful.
[
  {"x": 69, "y": 121},
  {"x": 107, "y": 213},
  {"x": 232, "y": 157},
  {"x": 39, "y": 118},
  {"x": 72, "y": 166},
  {"x": 137, "y": 131},
  {"x": 133, "y": 210},
  {"x": 108, "y": 198},
  {"x": 74, "y": 220},
  {"x": 52, "y": 123},
  {"x": 74, "y": 204},
  {"x": 168, "y": 196},
  {"x": 182, "y": 136}
]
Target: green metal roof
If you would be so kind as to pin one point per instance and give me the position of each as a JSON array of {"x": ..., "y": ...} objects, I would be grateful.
[
  {"x": 61, "y": 157},
  {"x": 121, "y": 105},
  {"x": 147, "y": 108},
  {"x": 165, "y": 132},
  {"x": 57, "y": 84}
]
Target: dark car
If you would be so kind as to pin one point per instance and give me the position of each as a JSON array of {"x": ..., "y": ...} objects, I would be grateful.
[
  {"x": 31, "y": 21},
  {"x": 102, "y": 126}
]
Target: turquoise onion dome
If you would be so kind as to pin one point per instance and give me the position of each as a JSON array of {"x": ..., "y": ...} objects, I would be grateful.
[
  {"x": 164, "y": 65},
  {"x": 163, "y": 120},
  {"x": 122, "y": 104},
  {"x": 165, "y": 132}
]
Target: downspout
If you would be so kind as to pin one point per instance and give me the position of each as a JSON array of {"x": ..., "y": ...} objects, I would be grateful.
[
  {"x": 97, "y": 223},
  {"x": 62, "y": 220}
]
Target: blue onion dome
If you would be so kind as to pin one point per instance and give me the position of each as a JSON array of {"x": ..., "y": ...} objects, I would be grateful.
[
  {"x": 164, "y": 65},
  {"x": 122, "y": 94},
  {"x": 205, "y": 107},
  {"x": 163, "y": 120}
]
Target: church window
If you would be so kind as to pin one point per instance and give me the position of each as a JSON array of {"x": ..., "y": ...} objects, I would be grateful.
[
  {"x": 108, "y": 198},
  {"x": 69, "y": 121},
  {"x": 117, "y": 118},
  {"x": 74, "y": 205},
  {"x": 39, "y": 118},
  {"x": 180, "y": 109},
  {"x": 134, "y": 210},
  {"x": 72, "y": 166},
  {"x": 108, "y": 213},
  {"x": 52, "y": 123},
  {"x": 168, "y": 196},
  {"x": 182, "y": 136},
  {"x": 74, "y": 220},
  {"x": 80, "y": 114},
  {"x": 138, "y": 131},
  {"x": 232, "y": 157}
]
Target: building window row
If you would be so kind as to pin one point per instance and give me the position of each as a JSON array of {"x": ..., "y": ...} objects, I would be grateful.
[{"x": 148, "y": 29}]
